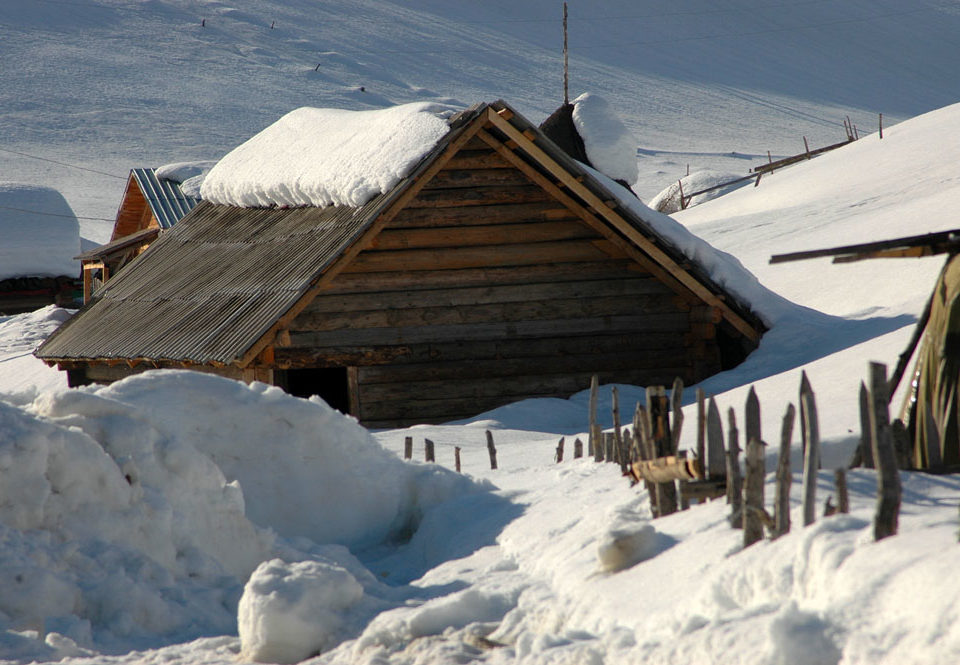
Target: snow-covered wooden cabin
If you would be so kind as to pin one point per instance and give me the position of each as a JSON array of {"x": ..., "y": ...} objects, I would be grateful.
[
  {"x": 39, "y": 238},
  {"x": 414, "y": 266},
  {"x": 152, "y": 202}
]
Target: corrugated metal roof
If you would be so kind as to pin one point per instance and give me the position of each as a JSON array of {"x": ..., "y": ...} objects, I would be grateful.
[
  {"x": 212, "y": 286},
  {"x": 167, "y": 201}
]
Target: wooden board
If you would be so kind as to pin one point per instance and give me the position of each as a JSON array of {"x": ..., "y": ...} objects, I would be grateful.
[
  {"x": 499, "y": 234},
  {"x": 428, "y": 294},
  {"x": 531, "y": 310},
  {"x": 455, "y": 258},
  {"x": 540, "y": 211},
  {"x": 541, "y": 350},
  {"x": 475, "y": 277},
  {"x": 635, "y": 324}
]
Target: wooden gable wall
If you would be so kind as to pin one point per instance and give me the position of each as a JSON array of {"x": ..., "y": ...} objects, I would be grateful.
[
  {"x": 485, "y": 290},
  {"x": 134, "y": 214}
]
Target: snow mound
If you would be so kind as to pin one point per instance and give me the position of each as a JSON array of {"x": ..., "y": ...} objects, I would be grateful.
[
  {"x": 625, "y": 546},
  {"x": 39, "y": 233},
  {"x": 668, "y": 200},
  {"x": 322, "y": 157},
  {"x": 610, "y": 146},
  {"x": 290, "y": 612},
  {"x": 135, "y": 511}
]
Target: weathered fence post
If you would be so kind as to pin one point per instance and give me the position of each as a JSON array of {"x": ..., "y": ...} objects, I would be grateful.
[
  {"x": 558, "y": 456},
  {"x": 492, "y": 449},
  {"x": 428, "y": 450},
  {"x": 577, "y": 449},
  {"x": 811, "y": 459},
  {"x": 734, "y": 481},
  {"x": 753, "y": 489},
  {"x": 617, "y": 434},
  {"x": 676, "y": 411},
  {"x": 866, "y": 448},
  {"x": 594, "y": 428},
  {"x": 702, "y": 431},
  {"x": 609, "y": 447},
  {"x": 781, "y": 509},
  {"x": 658, "y": 407},
  {"x": 843, "y": 497},
  {"x": 641, "y": 424},
  {"x": 716, "y": 466},
  {"x": 456, "y": 458},
  {"x": 408, "y": 447},
  {"x": 888, "y": 478}
]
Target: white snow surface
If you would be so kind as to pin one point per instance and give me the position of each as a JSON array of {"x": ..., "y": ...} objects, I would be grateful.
[
  {"x": 322, "y": 157},
  {"x": 39, "y": 233},
  {"x": 610, "y": 146},
  {"x": 523, "y": 572}
]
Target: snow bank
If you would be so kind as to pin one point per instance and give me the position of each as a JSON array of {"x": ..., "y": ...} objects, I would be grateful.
[
  {"x": 610, "y": 146},
  {"x": 290, "y": 612},
  {"x": 134, "y": 512},
  {"x": 39, "y": 233},
  {"x": 322, "y": 157}
]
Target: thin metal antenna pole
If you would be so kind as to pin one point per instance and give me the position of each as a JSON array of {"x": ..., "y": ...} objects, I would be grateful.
[{"x": 566, "y": 77}]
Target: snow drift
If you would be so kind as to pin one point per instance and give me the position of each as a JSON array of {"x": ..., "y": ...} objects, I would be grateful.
[{"x": 136, "y": 511}]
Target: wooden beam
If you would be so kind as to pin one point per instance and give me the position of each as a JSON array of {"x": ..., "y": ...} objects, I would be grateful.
[{"x": 622, "y": 226}]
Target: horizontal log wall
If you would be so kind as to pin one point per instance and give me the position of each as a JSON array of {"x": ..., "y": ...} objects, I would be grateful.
[{"x": 485, "y": 290}]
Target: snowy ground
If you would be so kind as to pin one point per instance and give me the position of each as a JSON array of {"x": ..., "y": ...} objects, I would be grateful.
[{"x": 132, "y": 516}]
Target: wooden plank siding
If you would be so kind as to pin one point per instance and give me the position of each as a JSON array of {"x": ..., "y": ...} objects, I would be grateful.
[
  {"x": 484, "y": 290},
  {"x": 134, "y": 214}
]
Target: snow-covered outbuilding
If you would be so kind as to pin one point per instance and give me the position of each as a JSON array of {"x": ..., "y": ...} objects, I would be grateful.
[
  {"x": 412, "y": 264},
  {"x": 153, "y": 201},
  {"x": 39, "y": 238}
]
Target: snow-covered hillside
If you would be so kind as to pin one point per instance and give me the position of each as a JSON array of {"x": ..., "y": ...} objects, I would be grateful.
[
  {"x": 132, "y": 515},
  {"x": 107, "y": 85}
]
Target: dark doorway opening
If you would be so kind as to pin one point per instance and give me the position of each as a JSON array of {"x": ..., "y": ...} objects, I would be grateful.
[{"x": 330, "y": 383}]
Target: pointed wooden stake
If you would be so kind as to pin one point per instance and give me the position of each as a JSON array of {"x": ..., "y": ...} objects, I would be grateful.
[
  {"x": 702, "y": 429},
  {"x": 734, "y": 481},
  {"x": 716, "y": 466},
  {"x": 888, "y": 477},
  {"x": 676, "y": 411},
  {"x": 811, "y": 459},
  {"x": 753, "y": 488},
  {"x": 781, "y": 510}
]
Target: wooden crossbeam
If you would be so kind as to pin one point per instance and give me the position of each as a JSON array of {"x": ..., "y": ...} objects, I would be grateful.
[{"x": 927, "y": 244}]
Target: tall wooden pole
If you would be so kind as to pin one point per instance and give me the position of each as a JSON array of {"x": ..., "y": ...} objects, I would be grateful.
[{"x": 566, "y": 61}]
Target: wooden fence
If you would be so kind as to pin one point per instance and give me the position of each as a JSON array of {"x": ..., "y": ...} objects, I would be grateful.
[{"x": 649, "y": 454}]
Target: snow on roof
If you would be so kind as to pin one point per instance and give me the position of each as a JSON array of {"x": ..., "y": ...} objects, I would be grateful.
[
  {"x": 39, "y": 233},
  {"x": 611, "y": 147},
  {"x": 322, "y": 157},
  {"x": 190, "y": 175}
]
